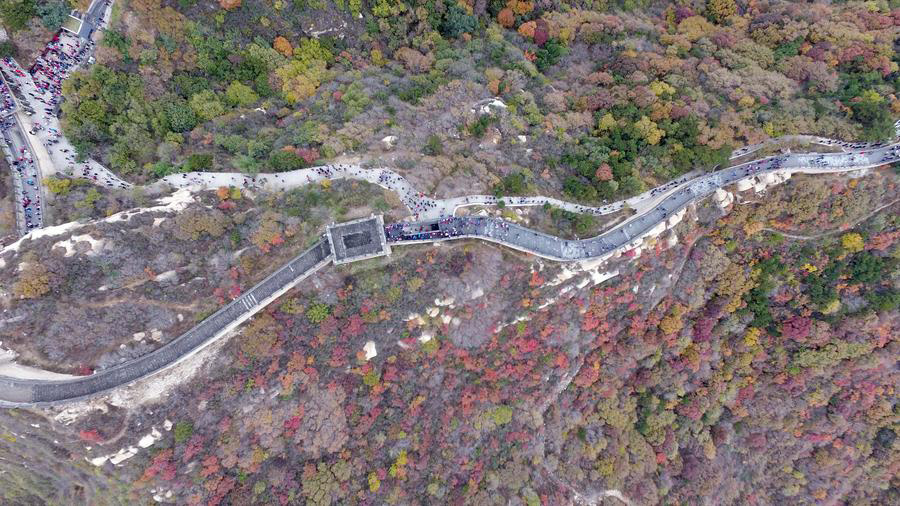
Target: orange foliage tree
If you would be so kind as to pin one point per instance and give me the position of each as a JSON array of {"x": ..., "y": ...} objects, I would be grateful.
[{"x": 283, "y": 46}]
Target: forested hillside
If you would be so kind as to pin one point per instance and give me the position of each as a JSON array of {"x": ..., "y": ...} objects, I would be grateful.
[
  {"x": 600, "y": 98},
  {"x": 747, "y": 357},
  {"x": 752, "y": 363}
]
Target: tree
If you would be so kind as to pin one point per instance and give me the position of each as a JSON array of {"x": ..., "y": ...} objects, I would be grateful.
[
  {"x": 355, "y": 99},
  {"x": 16, "y": 13},
  {"x": 457, "y": 21},
  {"x": 433, "y": 146},
  {"x": 852, "y": 242},
  {"x": 198, "y": 162},
  {"x": 578, "y": 189},
  {"x": 7, "y": 49},
  {"x": 871, "y": 111},
  {"x": 192, "y": 223},
  {"x": 260, "y": 337},
  {"x": 53, "y": 13},
  {"x": 283, "y": 46},
  {"x": 240, "y": 95},
  {"x": 695, "y": 27},
  {"x": 506, "y": 17},
  {"x": 867, "y": 268},
  {"x": 719, "y": 10},
  {"x": 649, "y": 131},
  {"x": 58, "y": 186},
  {"x": 606, "y": 123},
  {"x": 206, "y": 105},
  {"x": 180, "y": 116},
  {"x": 300, "y": 80}
]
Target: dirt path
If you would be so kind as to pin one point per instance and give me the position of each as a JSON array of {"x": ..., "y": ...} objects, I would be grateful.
[{"x": 141, "y": 301}]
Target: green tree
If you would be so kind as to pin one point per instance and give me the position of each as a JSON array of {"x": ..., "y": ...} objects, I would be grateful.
[
  {"x": 240, "y": 95},
  {"x": 7, "y": 49},
  {"x": 180, "y": 116},
  {"x": 206, "y": 105},
  {"x": 867, "y": 268},
  {"x": 355, "y": 100},
  {"x": 53, "y": 13},
  {"x": 457, "y": 21},
  {"x": 198, "y": 162},
  {"x": 16, "y": 13},
  {"x": 580, "y": 190},
  {"x": 874, "y": 115}
]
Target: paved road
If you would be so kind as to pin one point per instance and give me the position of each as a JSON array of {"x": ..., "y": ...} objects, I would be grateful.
[
  {"x": 93, "y": 19},
  {"x": 26, "y": 177}
]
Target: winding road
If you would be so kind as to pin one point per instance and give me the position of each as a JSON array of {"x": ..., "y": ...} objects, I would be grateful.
[{"x": 441, "y": 226}]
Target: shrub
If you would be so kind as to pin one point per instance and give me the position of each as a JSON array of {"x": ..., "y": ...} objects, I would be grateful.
[
  {"x": 433, "y": 146},
  {"x": 283, "y": 160},
  {"x": 198, "y": 162},
  {"x": 183, "y": 431},
  {"x": 317, "y": 313}
]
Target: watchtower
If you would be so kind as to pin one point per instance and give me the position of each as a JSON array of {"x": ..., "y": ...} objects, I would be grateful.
[{"x": 358, "y": 239}]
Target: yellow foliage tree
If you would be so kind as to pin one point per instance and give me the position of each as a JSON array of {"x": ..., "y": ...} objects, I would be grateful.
[
  {"x": 721, "y": 9},
  {"x": 299, "y": 80},
  {"x": 672, "y": 322},
  {"x": 33, "y": 282},
  {"x": 752, "y": 227},
  {"x": 259, "y": 338},
  {"x": 378, "y": 58},
  {"x": 58, "y": 186},
  {"x": 648, "y": 129},
  {"x": 520, "y": 7},
  {"x": 695, "y": 27},
  {"x": 660, "y": 88},
  {"x": 607, "y": 122},
  {"x": 852, "y": 242},
  {"x": 751, "y": 338}
]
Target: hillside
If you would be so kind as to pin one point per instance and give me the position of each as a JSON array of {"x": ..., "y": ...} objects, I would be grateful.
[
  {"x": 594, "y": 104},
  {"x": 738, "y": 363}
]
